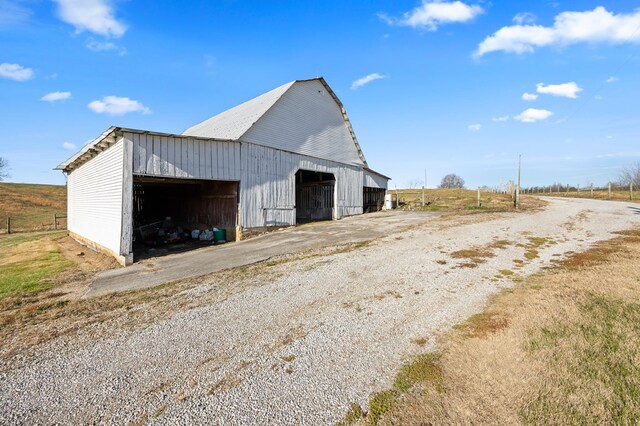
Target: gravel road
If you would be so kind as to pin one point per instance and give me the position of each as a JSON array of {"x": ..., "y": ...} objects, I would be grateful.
[{"x": 325, "y": 332}]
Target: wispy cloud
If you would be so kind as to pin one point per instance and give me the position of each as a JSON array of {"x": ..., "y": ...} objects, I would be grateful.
[
  {"x": 13, "y": 13},
  {"x": 565, "y": 90},
  {"x": 114, "y": 105},
  {"x": 500, "y": 119},
  {"x": 474, "y": 127},
  {"x": 366, "y": 80},
  {"x": 95, "y": 16},
  {"x": 532, "y": 115},
  {"x": 612, "y": 79},
  {"x": 525, "y": 18},
  {"x": 15, "y": 72},
  {"x": 69, "y": 146},
  {"x": 593, "y": 26},
  {"x": 432, "y": 14},
  {"x": 105, "y": 46},
  {"x": 529, "y": 96},
  {"x": 56, "y": 96}
]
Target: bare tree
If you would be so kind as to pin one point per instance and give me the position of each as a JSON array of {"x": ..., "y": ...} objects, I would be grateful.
[
  {"x": 415, "y": 183},
  {"x": 452, "y": 181},
  {"x": 630, "y": 174},
  {"x": 4, "y": 168}
]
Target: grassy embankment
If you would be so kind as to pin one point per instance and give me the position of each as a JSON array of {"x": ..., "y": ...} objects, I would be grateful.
[
  {"x": 617, "y": 195},
  {"x": 31, "y": 207},
  {"x": 562, "y": 347}
]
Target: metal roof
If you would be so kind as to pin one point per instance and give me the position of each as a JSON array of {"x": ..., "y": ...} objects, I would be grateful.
[{"x": 234, "y": 122}]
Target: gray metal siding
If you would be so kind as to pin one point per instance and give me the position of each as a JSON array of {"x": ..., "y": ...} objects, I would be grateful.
[
  {"x": 306, "y": 120},
  {"x": 373, "y": 180},
  {"x": 95, "y": 192},
  {"x": 267, "y": 188},
  {"x": 184, "y": 157}
]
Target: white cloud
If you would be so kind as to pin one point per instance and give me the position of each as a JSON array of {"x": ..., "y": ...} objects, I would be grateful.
[
  {"x": 566, "y": 90},
  {"x": 612, "y": 79},
  {"x": 598, "y": 97},
  {"x": 15, "y": 72},
  {"x": 115, "y": 105},
  {"x": 525, "y": 18},
  {"x": 593, "y": 26},
  {"x": 431, "y": 14},
  {"x": 366, "y": 80},
  {"x": 529, "y": 96},
  {"x": 105, "y": 46},
  {"x": 500, "y": 119},
  {"x": 69, "y": 146},
  {"x": 532, "y": 115},
  {"x": 474, "y": 127},
  {"x": 56, "y": 96},
  {"x": 96, "y": 16}
]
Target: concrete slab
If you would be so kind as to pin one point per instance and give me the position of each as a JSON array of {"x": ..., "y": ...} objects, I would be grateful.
[{"x": 287, "y": 241}]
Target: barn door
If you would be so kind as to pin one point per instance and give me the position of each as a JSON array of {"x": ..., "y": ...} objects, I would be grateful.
[{"x": 314, "y": 196}]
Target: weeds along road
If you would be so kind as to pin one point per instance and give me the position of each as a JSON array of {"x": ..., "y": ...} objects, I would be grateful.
[{"x": 303, "y": 339}]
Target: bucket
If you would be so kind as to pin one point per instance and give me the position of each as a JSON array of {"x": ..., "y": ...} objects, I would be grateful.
[{"x": 219, "y": 236}]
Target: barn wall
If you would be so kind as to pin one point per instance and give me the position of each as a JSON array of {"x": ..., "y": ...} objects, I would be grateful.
[
  {"x": 267, "y": 188},
  {"x": 95, "y": 199},
  {"x": 184, "y": 157},
  {"x": 373, "y": 180},
  {"x": 306, "y": 120}
]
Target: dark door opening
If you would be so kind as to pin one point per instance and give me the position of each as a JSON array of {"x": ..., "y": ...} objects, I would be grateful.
[
  {"x": 314, "y": 196},
  {"x": 372, "y": 199},
  {"x": 167, "y": 210}
]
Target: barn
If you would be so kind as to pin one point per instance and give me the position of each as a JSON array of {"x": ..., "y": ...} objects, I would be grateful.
[{"x": 286, "y": 157}]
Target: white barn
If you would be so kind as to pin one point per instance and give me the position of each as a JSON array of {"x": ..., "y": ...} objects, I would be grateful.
[{"x": 285, "y": 157}]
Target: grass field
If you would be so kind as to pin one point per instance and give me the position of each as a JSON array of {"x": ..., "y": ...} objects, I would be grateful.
[
  {"x": 31, "y": 207},
  {"x": 560, "y": 348},
  {"x": 452, "y": 200},
  {"x": 617, "y": 195}
]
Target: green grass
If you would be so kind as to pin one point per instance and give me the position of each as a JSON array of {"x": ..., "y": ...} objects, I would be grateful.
[
  {"x": 28, "y": 263},
  {"x": 604, "y": 355}
]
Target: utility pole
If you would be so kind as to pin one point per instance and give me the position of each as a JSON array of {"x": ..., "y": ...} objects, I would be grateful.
[
  {"x": 424, "y": 184},
  {"x": 517, "y": 199}
]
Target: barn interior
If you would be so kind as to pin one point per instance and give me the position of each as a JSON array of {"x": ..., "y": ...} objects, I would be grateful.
[
  {"x": 171, "y": 215},
  {"x": 315, "y": 198},
  {"x": 372, "y": 199}
]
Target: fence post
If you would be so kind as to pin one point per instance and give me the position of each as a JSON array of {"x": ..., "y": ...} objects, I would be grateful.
[
  {"x": 591, "y": 190},
  {"x": 609, "y": 190},
  {"x": 478, "y": 196},
  {"x": 8, "y": 224},
  {"x": 55, "y": 221},
  {"x": 631, "y": 191},
  {"x": 578, "y": 190}
]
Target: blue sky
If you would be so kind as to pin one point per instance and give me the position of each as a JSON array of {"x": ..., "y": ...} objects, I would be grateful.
[{"x": 450, "y": 86}]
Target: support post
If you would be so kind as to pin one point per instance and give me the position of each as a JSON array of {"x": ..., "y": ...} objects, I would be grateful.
[
  {"x": 55, "y": 221},
  {"x": 609, "y": 190},
  {"x": 8, "y": 224},
  {"x": 591, "y": 190},
  {"x": 631, "y": 191},
  {"x": 478, "y": 196},
  {"x": 517, "y": 199}
]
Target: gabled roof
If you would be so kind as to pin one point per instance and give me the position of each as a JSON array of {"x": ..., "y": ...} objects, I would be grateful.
[{"x": 236, "y": 122}]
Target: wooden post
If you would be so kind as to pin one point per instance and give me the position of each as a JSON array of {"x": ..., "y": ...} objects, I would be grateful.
[
  {"x": 631, "y": 190},
  {"x": 609, "y": 190},
  {"x": 591, "y": 190},
  {"x": 567, "y": 189},
  {"x": 478, "y": 196},
  {"x": 517, "y": 199},
  {"x": 55, "y": 221},
  {"x": 578, "y": 190},
  {"x": 8, "y": 224}
]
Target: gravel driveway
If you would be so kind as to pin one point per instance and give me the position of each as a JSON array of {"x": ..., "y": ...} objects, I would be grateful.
[{"x": 324, "y": 332}]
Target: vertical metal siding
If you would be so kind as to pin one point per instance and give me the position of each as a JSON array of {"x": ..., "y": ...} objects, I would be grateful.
[
  {"x": 306, "y": 120},
  {"x": 95, "y": 198},
  {"x": 267, "y": 193},
  {"x": 373, "y": 180},
  {"x": 183, "y": 157}
]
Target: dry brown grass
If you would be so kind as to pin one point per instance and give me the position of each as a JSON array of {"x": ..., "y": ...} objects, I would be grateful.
[
  {"x": 561, "y": 348},
  {"x": 461, "y": 200},
  {"x": 31, "y": 206},
  {"x": 618, "y": 195}
]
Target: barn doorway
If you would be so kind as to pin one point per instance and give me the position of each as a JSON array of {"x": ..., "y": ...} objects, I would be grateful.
[
  {"x": 315, "y": 196},
  {"x": 372, "y": 199},
  {"x": 169, "y": 214}
]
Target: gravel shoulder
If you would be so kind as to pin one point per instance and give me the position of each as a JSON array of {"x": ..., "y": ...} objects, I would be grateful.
[{"x": 315, "y": 335}]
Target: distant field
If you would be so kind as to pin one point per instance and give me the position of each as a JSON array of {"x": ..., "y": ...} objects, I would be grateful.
[
  {"x": 30, "y": 206},
  {"x": 452, "y": 199},
  {"x": 620, "y": 195}
]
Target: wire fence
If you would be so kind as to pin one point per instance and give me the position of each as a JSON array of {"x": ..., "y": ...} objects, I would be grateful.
[
  {"x": 609, "y": 192},
  {"x": 17, "y": 223}
]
